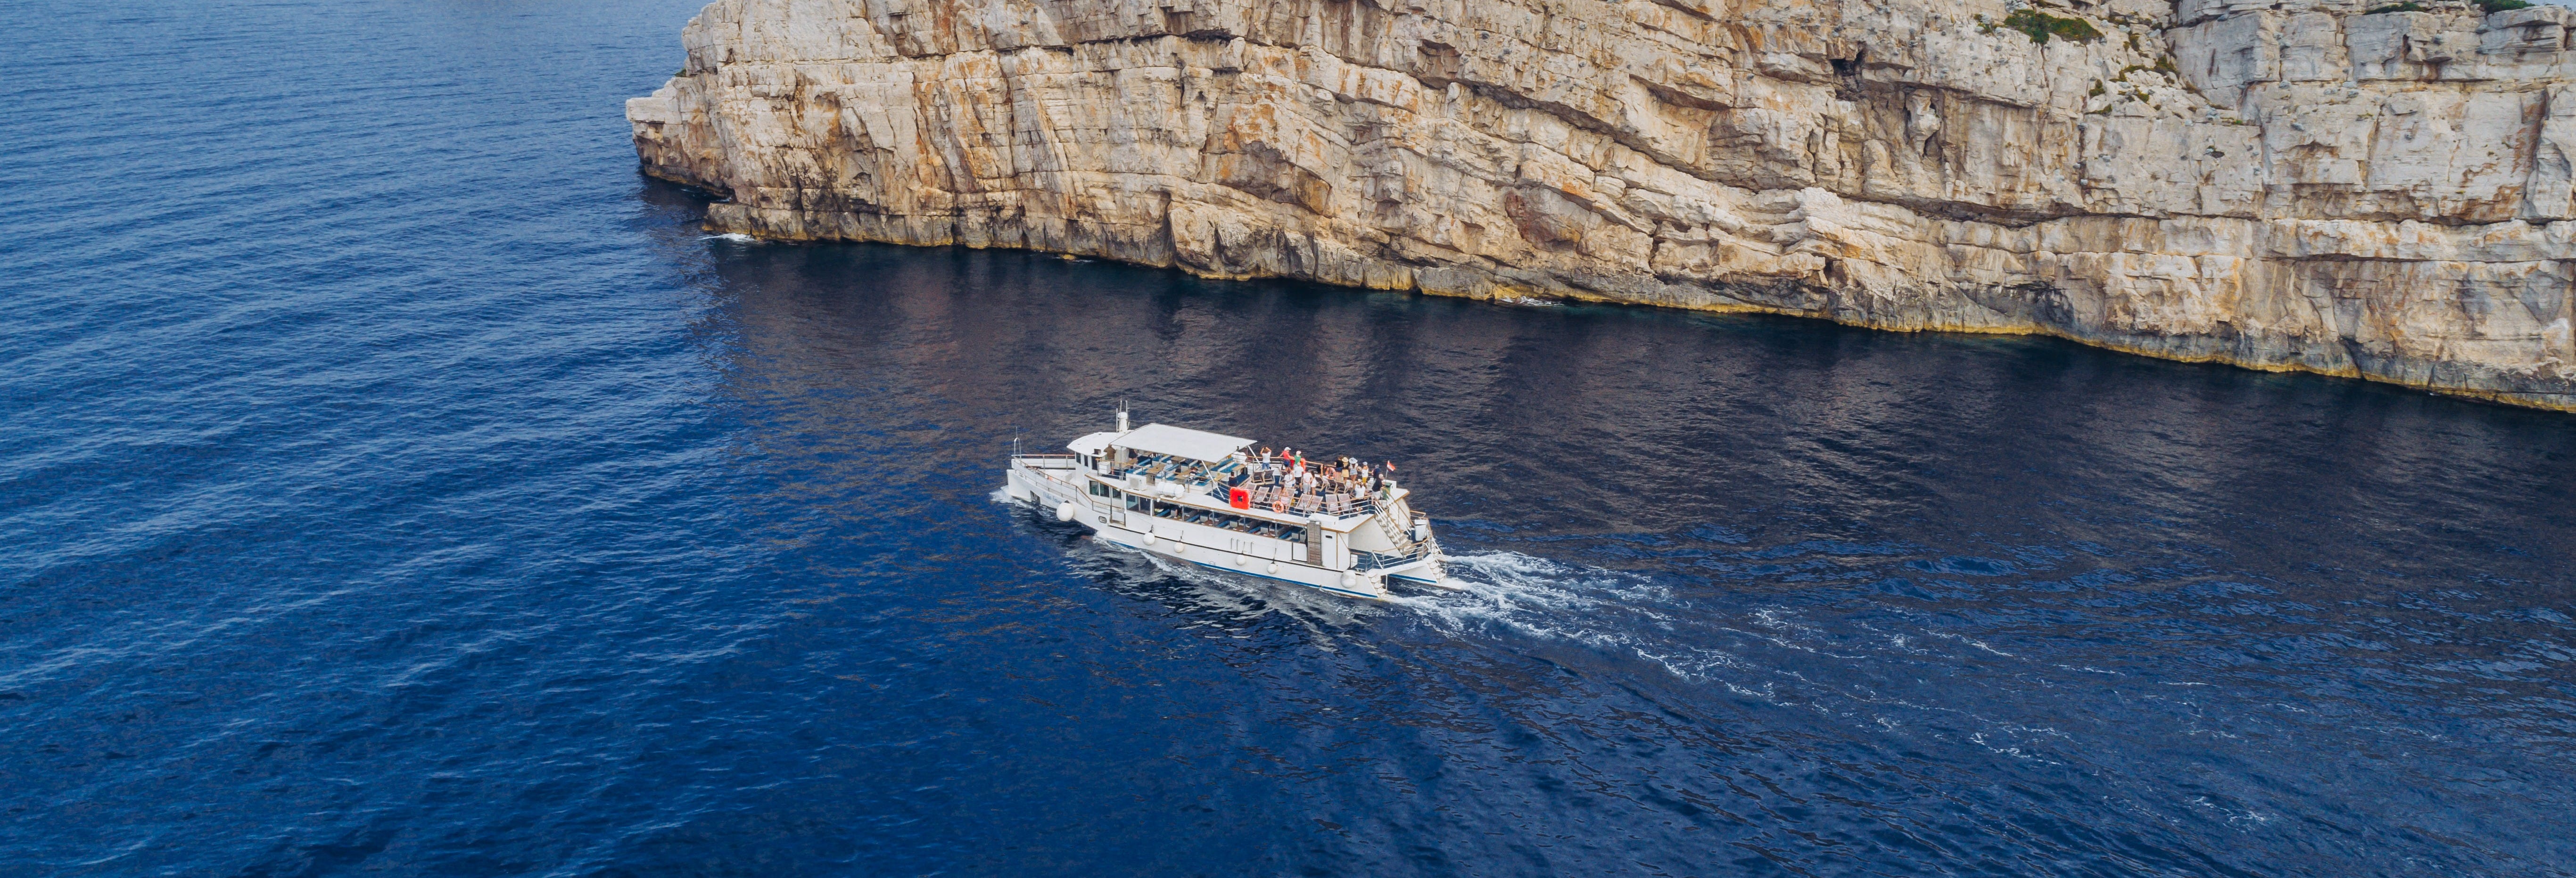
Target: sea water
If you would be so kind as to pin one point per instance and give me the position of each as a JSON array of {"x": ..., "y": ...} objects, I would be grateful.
[{"x": 393, "y": 481}]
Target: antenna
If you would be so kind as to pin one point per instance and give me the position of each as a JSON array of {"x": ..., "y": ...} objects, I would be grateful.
[{"x": 1122, "y": 414}]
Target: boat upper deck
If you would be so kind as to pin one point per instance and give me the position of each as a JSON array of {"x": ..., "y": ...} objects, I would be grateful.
[
  {"x": 1276, "y": 488},
  {"x": 1197, "y": 466},
  {"x": 1213, "y": 479}
]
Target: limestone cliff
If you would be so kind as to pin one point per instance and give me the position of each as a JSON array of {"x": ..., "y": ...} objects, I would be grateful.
[{"x": 2304, "y": 184}]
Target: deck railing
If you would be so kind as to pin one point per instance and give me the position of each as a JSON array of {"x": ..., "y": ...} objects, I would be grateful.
[
  {"x": 1361, "y": 504},
  {"x": 1382, "y": 560}
]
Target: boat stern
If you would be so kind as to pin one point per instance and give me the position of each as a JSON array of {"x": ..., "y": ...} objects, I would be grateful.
[{"x": 1052, "y": 481}]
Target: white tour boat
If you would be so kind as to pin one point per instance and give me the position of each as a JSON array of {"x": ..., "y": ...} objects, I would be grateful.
[{"x": 1205, "y": 498}]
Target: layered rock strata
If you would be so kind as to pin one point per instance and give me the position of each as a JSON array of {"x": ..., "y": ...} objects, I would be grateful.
[{"x": 2306, "y": 185}]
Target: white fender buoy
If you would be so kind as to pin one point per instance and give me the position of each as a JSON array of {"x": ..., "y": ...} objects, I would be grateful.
[
  {"x": 1242, "y": 560},
  {"x": 1274, "y": 566},
  {"x": 1066, "y": 512},
  {"x": 1180, "y": 548},
  {"x": 1347, "y": 579},
  {"x": 1149, "y": 540}
]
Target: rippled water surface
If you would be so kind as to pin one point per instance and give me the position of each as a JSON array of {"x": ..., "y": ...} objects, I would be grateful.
[{"x": 394, "y": 482}]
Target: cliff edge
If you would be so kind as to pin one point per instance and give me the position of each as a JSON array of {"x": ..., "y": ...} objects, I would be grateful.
[{"x": 2376, "y": 191}]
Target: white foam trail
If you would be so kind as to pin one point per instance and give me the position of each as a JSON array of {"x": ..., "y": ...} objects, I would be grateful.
[
  {"x": 1971, "y": 641},
  {"x": 1777, "y": 653},
  {"x": 1518, "y": 595},
  {"x": 736, "y": 237},
  {"x": 1537, "y": 598}
]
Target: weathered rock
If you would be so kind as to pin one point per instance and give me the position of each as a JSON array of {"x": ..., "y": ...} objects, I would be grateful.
[{"x": 2284, "y": 186}]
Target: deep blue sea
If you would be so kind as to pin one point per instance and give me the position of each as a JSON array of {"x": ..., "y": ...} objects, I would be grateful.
[{"x": 394, "y": 482}]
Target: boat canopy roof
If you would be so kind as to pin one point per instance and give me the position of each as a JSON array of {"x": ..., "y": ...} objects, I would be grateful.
[
  {"x": 1092, "y": 444},
  {"x": 1177, "y": 442}
]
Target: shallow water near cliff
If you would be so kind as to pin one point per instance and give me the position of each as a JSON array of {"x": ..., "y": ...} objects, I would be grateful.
[{"x": 395, "y": 482}]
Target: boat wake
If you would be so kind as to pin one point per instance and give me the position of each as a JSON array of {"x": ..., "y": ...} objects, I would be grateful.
[
  {"x": 1770, "y": 646},
  {"x": 1511, "y": 595},
  {"x": 1898, "y": 679},
  {"x": 1759, "y": 645}
]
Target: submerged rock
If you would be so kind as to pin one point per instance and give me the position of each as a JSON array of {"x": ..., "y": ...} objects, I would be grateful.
[{"x": 2305, "y": 185}]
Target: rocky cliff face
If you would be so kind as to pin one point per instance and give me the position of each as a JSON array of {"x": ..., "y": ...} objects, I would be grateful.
[{"x": 2293, "y": 185}]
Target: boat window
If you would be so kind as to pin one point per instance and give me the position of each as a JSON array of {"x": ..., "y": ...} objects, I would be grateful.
[{"x": 1212, "y": 518}]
